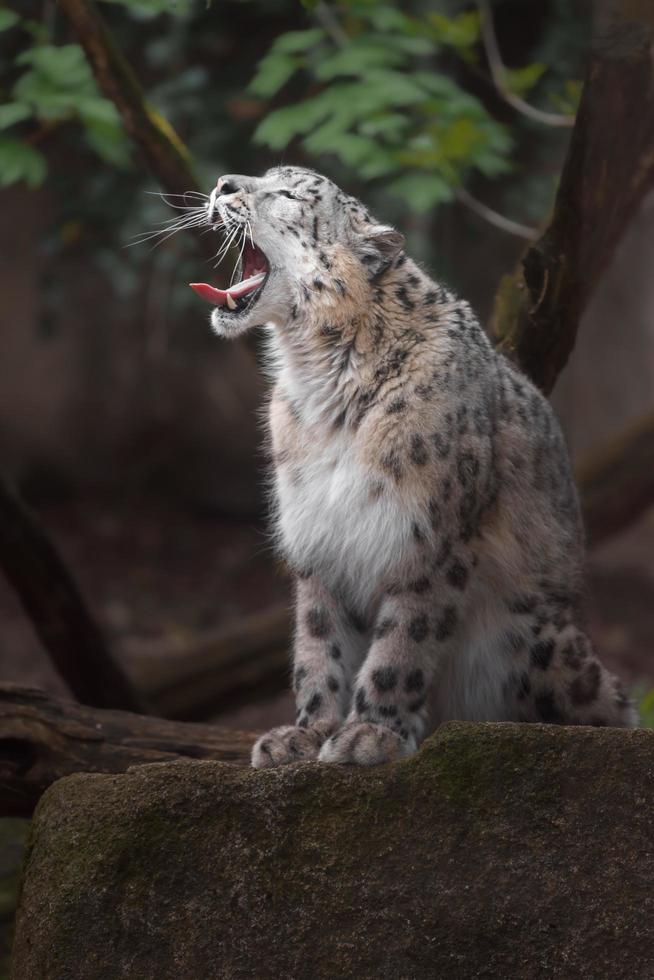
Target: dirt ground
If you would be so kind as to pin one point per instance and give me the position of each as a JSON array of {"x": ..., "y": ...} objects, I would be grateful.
[{"x": 150, "y": 570}]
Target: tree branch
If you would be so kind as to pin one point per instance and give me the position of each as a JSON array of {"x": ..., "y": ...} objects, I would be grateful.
[
  {"x": 43, "y": 738},
  {"x": 604, "y": 181},
  {"x": 163, "y": 152},
  {"x": 57, "y": 610},
  {"x": 497, "y": 70},
  {"x": 494, "y": 217}
]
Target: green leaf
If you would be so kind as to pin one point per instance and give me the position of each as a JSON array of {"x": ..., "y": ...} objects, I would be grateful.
[
  {"x": 151, "y": 8},
  {"x": 281, "y": 126},
  {"x": 95, "y": 109},
  {"x": 646, "y": 709},
  {"x": 109, "y": 142},
  {"x": 18, "y": 161},
  {"x": 64, "y": 66},
  {"x": 520, "y": 81},
  {"x": 422, "y": 191},
  {"x": 358, "y": 59},
  {"x": 460, "y": 32},
  {"x": 295, "y": 42},
  {"x": 568, "y": 103},
  {"x": 390, "y": 125},
  {"x": 273, "y": 71},
  {"x": 7, "y": 19},
  {"x": 13, "y": 112}
]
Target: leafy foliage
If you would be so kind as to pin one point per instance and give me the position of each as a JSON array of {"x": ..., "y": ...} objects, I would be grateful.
[
  {"x": 385, "y": 99},
  {"x": 55, "y": 86}
]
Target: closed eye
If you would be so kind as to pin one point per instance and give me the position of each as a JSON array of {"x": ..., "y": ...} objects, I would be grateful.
[{"x": 288, "y": 194}]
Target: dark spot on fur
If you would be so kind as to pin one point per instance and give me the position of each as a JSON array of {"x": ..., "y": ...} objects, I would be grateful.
[
  {"x": 414, "y": 681},
  {"x": 522, "y": 604},
  {"x": 417, "y": 533},
  {"x": 387, "y": 710},
  {"x": 298, "y": 677},
  {"x": 385, "y": 679},
  {"x": 447, "y": 623},
  {"x": 396, "y": 406},
  {"x": 404, "y": 298},
  {"x": 418, "y": 451},
  {"x": 357, "y": 621},
  {"x": 417, "y": 704},
  {"x": 318, "y": 622},
  {"x": 335, "y": 651},
  {"x": 585, "y": 688},
  {"x": 418, "y": 628},
  {"x": 332, "y": 683},
  {"x": 360, "y": 701},
  {"x": 443, "y": 553},
  {"x": 547, "y": 708},
  {"x": 541, "y": 654},
  {"x": 420, "y": 585},
  {"x": 392, "y": 464},
  {"x": 303, "y": 721},
  {"x": 457, "y": 575},
  {"x": 313, "y": 704}
]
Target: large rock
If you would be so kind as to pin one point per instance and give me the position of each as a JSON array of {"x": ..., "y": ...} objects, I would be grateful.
[{"x": 499, "y": 851}]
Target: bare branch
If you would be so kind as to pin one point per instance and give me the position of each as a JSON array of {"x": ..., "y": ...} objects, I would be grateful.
[
  {"x": 497, "y": 70},
  {"x": 494, "y": 217},
  {"x": 326, "y": 17}
]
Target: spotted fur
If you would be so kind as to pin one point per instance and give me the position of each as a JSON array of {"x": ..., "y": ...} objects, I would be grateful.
[{"x": 422, "y": 493}]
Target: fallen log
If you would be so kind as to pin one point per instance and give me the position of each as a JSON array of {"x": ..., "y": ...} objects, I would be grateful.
[
  {"x": 43, "y": 738},
  {"x": 226, "y": 668}
]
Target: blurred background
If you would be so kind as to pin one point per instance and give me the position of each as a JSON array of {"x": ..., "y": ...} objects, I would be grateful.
[{"x": 133, "y": 432}]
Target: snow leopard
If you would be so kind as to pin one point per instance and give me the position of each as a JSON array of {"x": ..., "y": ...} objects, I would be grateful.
[{"x": 422, "y": 490}]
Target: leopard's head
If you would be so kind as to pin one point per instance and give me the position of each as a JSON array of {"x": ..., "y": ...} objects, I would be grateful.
[{"x": 297, "y": 234}]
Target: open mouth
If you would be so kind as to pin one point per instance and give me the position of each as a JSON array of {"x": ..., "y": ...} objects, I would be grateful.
[{"x": 253, "y": 269}]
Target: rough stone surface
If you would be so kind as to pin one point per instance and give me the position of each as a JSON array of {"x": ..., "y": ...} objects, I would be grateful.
[{"x": 498, "y": 851}]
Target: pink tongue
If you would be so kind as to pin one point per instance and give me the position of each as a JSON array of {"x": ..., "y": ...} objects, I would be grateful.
[
  {"x": 219, "y": 296},
  {"x": 212, "y": 295}
]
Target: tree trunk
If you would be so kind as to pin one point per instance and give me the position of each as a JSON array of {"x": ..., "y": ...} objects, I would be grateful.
[{"x": 608, "y": 171}]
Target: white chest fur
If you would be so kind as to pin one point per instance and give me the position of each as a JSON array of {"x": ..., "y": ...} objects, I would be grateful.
[{"x": 331, "y": 521}]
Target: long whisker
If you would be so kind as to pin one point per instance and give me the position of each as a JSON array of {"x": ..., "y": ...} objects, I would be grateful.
[
  {"x": 181, "y": 224},
  {"x": 165, "y": 232},
  {"x": 225, "y": 247},
  {"x": 240, "y": 256}
]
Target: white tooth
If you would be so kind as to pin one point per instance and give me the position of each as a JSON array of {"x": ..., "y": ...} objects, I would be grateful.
[{"x": 230, "y": 302}]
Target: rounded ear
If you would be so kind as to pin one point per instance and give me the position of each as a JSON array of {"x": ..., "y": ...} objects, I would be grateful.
[{"x": 377, "y": 248}]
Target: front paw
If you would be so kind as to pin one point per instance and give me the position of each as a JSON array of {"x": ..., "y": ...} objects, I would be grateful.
[
  {"x": 286, "y": 744},
  {"x": 365, "y": 744}
]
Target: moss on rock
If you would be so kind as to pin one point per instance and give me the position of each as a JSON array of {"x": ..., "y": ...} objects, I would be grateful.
[{"x": 497, "y": 851}]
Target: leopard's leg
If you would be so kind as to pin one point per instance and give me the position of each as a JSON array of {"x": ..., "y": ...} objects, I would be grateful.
[
  {"x": 417, "y": 626},
  {"x": 558, "y": 679},
  {"x": 328, "y": 647}
]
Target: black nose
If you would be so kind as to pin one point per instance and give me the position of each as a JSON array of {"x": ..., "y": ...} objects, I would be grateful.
[{"x": 228, "y": 185}]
